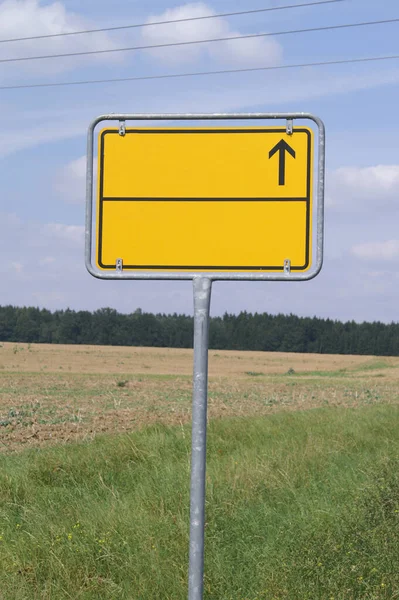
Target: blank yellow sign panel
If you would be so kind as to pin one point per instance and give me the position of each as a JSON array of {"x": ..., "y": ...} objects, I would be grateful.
[{"x": 220, "y": 199}]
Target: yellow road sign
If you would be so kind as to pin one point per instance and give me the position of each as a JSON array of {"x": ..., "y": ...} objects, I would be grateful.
[{"x": 205, "y": 199}]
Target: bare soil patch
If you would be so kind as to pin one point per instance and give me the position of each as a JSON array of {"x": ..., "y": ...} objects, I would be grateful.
[{"x": 53, "y": 393}]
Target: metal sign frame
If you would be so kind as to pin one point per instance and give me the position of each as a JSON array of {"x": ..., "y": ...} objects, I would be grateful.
[
  {"x": 202, "y": 286},
  {"x": 286, "y": 275}
]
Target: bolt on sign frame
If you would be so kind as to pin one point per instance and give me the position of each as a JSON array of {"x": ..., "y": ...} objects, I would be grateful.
[{"x": 205, "y": 204}]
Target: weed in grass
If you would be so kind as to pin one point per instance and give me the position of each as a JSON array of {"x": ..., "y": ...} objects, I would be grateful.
[
  {"x": 271, "y": 401},
  {"x": 330, "y": 374},
  {"x": 122, "y": 383}
]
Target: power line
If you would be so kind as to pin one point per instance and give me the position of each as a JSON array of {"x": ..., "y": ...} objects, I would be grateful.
[
  {"x": 202, "y": 73},
  {"x": 188, "y": 43},
  {"x": 170, "y": 21}
]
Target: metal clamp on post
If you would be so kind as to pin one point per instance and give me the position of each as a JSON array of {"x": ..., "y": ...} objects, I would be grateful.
[
  {"x": 287, "y": 266},
  {"x": 122, "y": 128},
  {"x": 289, "y": 126},
  {"x": 119, "y": 265}
]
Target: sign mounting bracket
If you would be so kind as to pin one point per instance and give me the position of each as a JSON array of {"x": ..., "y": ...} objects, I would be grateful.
[
  {"x": 122, "y": 128},
  {"x": 287, "y": 266}
]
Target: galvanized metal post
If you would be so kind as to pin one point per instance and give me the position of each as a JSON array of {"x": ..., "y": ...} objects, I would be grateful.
[{"x": 202, "y": 301}]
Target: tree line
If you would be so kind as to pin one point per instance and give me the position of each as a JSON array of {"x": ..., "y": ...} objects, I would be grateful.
[{"x": 245, "y": 331}]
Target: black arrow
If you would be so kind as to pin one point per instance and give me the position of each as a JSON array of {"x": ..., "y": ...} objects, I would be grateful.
[{"x": 281, "y": 147}]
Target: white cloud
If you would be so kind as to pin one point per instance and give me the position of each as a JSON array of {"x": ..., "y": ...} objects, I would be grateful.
[
  {"x": 26, "y": 18},
  {"x": 40, "y": 258},
  {"x": 69, "y": 234},
  {"x": 17, "y": 266},
  {"x": 388, "y": 250},
  {"x": 250, "y": 52},
  {"x": 29, "y": 137},
  {"x": 26, "y": 245},
  {"x": 46, "y": 260},
  {"x": 366, "y": 188},
  {"x": 362, "y": 212},
  {"x": 70, "y": 181},
  {"x": 77, "y": 168}
]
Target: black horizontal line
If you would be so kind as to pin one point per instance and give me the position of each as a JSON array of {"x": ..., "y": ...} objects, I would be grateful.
[
  {"x": 152, "y": 199},
  {"x": 170, "y": 21},
  {"x": 203, "y": 267},
  {"x": 325, "y": 63},
  {"x": 196, "y": 42}
]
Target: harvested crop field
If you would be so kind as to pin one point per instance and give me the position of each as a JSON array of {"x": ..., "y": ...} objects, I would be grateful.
[{"x": 55, "y": 393}]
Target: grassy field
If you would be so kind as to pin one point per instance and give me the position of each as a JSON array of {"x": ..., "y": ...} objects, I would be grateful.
[{"x": 302, "y": 479}]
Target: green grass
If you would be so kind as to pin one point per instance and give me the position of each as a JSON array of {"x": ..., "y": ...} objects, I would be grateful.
[
  {"x": 374, "y": 364},
  {"x": 330, "y": 374},
  {"x": 300, "y": 506},
  {"x": 371, "y": 365}
]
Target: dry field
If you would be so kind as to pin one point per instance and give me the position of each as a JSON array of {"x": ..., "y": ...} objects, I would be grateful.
[{"x": 54, "y": 393}]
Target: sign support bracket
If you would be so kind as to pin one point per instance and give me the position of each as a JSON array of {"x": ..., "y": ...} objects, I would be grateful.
[
  {"x": 287, "y": 266},
  {"x": 122, "y": 128},
  {"x": 202, "y": 299}
]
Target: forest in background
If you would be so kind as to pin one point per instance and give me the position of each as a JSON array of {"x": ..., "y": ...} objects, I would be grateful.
[{"x": 245, "y": 331}]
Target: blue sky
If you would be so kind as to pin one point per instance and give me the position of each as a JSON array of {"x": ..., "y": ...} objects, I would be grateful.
[{"x": 43, "y": 143}]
